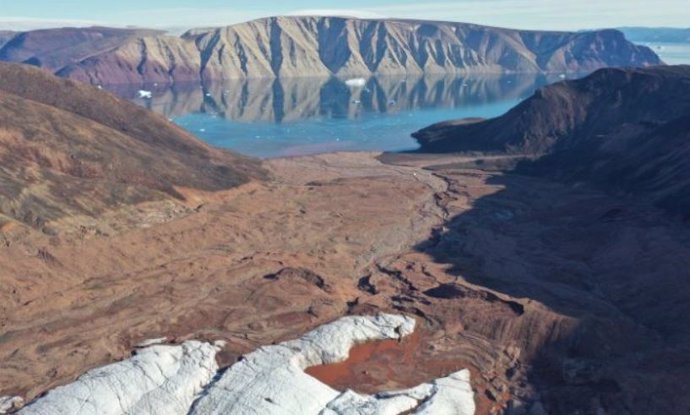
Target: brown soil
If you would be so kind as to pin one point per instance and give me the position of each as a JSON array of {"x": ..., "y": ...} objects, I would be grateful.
[{"x": 530, "y": 284}]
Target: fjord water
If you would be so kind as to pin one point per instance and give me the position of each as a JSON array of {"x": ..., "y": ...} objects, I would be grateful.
[
  {"x": 297, "y": 116},
  {"x": 671, "y": 53}
]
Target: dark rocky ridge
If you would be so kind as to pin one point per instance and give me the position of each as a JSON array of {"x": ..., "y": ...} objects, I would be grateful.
[
  {"x": 317, "y": 46},
  {"x": 69, "y": 149},
  {"x": 623, "y": 130}
]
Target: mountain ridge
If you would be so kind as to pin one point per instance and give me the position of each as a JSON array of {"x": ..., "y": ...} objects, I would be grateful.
[
  {"x": 325, "y": 46},
  {"x": 69, "y": 149},
  {"x": 623, "y": 130}
]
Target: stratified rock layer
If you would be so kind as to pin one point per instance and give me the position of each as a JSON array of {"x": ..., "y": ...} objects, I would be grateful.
[{"x": 318, "y": 46}]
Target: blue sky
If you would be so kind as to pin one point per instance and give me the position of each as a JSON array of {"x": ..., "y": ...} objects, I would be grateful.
[{"x": 536, "y": 14}]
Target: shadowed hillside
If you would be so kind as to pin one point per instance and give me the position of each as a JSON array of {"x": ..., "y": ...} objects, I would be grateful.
[
  {"x": 625, "y": 131},
  {"x": 69, "y": 149}
]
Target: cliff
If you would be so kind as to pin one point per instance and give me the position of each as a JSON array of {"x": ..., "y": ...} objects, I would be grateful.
[{"x": 318, "y": 46}]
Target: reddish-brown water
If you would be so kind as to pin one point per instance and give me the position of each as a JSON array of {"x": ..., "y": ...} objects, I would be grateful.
[{"x": 391, "y": 364}]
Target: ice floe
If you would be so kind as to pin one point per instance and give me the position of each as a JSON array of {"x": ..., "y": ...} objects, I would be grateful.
[{"x": 356, "y": 82}]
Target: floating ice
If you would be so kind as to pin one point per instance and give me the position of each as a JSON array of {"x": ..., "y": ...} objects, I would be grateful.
[{"x": 356, "y": 82}]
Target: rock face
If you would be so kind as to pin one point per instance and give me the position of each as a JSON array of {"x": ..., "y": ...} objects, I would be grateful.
[
  {"x": 319, "y": 46},
  {"x": 622, "y": 130},
  {"x": 91, "y": 151},
  {"x": 171, "y": 379}
]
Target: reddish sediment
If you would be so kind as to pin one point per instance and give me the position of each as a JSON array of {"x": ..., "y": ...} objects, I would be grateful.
[{"x": 386, "y": 365}]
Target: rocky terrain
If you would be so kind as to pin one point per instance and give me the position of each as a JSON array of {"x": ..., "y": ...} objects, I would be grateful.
[
  {"x": 296, "y": 47},
  {"x": 54, "y": 49},
  {"x": 5, "y": 36},
  {"x": 547, "y": 297},
  {"x": 69, "y": 150},
  {"x": 624, "y": 131}
]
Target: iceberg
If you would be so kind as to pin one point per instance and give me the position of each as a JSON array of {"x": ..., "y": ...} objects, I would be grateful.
[{"x": 356, "y": 82}]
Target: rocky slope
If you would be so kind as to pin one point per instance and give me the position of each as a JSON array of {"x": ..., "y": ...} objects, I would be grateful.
[
  {"x": 68, "y": 150},
  {"x": 54, "y": 49},
  {"x": 5, "y": 36},
  {"x": 623, "y": 130},
  {"x": 322, "y": 46},
  {"x": 547, "y": 293}
]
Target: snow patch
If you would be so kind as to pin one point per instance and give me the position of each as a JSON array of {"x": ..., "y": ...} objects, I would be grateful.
[
  {"x": 10, "y": 403},
  {"x": 185, "y": 380},
  {"x": 151, "y": 342},
  {"x": 158, "y": 380},
  {"x": 272, "y": 380}
]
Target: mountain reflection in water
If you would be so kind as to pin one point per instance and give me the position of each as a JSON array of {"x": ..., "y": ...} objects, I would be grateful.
[{"x": 296, "y": 116}]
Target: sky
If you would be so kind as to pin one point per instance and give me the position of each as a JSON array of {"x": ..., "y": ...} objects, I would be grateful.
[{"x": 177, "y": 14}]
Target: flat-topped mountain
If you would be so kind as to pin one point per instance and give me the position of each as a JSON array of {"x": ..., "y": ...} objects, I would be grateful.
[
  {"x": 68, "y": 149},
  {"x": 54, "y": 49},
  {"x": 320, "y": 46},
  {"x": 623, "y": 130}
]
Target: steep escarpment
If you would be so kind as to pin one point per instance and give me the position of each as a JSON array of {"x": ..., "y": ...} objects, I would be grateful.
[
  {"x": 623, "y": 130},
  {"x": 69, "y": 149},
  {"x": 324, "y": 46}
]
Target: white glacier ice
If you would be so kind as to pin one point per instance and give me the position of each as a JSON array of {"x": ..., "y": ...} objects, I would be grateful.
[
  {"x": 159, "y": 380},
  {"x": 185, "y": 380}
]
